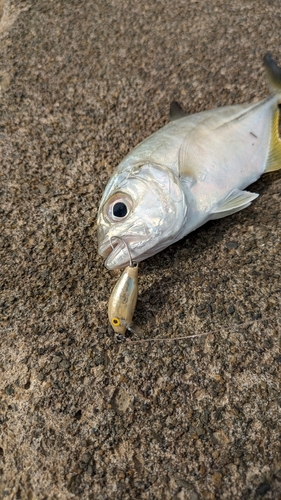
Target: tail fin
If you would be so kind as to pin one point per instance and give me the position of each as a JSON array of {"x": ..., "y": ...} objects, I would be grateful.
[
  {"x": 274, "y": 155},
  {"x": 274, "y": 80},
  {"x": 273, "y": 73}
]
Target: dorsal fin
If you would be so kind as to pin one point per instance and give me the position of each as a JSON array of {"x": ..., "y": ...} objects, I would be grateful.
[
  {"x": 273, "y": 73},
  {"x": 176, "y": 111}
]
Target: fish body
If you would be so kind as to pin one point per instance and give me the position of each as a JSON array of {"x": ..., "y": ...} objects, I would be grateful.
[{"x": 193, "y": 169}]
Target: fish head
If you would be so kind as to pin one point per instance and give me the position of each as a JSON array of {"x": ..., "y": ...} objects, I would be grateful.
[{"x": 143, "y": 210}]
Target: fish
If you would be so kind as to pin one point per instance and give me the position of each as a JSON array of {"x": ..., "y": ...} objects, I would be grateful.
[{"x": 192, "y": 170}]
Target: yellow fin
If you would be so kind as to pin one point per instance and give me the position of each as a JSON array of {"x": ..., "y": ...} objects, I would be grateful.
[{"x": 273, "y": 161}]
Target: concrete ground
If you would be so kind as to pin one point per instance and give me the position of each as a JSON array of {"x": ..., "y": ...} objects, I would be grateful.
[{"x": 81, "y": 416}]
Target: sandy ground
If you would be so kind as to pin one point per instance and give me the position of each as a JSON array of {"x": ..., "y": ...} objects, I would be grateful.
[{"x": 81, "y": 416}]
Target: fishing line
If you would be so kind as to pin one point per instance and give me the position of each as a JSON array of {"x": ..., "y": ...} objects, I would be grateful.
[
  {"x": 128, "y": 341},
  {"x": 122, "y": 338}
]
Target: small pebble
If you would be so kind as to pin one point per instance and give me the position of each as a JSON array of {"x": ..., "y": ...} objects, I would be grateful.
[
  {"x": 231, "y": 309},
  {"x": 231, "y": 244}
]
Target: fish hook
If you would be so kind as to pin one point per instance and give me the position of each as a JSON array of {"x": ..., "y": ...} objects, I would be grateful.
[{"x": 126, "y": 245}]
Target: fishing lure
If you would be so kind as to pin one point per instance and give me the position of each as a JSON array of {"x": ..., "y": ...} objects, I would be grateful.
[
  {"x": 123, "y": 299},
  {"x": 122, "y": 305}
]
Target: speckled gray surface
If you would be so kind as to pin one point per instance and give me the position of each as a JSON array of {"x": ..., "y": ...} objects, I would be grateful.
[{"x": 81, "y": 416}]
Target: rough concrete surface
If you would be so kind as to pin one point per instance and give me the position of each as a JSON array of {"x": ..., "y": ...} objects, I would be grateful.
[{"x": 82, "y": 416}]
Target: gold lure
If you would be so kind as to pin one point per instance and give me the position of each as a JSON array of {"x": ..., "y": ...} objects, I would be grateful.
[
  {"x": 123, "y": 299},
  {"x": 122, "y": 305}
]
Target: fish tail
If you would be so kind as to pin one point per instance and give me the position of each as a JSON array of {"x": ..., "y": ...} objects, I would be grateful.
[
  {"x": 273, "y": 73},
  {"x": 273, "y": 161},
  {"x": 274, "y": 81}
]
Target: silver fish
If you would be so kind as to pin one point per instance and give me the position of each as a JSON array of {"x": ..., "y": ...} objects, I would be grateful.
[{"x": 192, "y": 170}]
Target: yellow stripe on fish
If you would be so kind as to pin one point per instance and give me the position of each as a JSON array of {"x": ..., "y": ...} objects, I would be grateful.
[{"x": 274, "y": 156}]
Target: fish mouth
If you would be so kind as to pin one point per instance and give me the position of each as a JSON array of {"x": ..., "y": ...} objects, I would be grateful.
[
  {"x": 111, "y": 248},
  {"x": 106, "y": 248}
]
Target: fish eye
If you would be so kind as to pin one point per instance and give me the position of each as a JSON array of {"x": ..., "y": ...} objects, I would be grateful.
[{"x": 118, "y": 207}]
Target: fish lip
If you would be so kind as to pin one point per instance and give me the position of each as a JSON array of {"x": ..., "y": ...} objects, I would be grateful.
[
  {"x": 113, "y": 254},
  {"x": 110, "y": 254},
  {"x": 110, "y": 246},
  {"x": 105, "y": 249}
]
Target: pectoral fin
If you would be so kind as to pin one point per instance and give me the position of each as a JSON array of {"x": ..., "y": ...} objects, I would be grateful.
[{"x": 235, "y": 201}]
